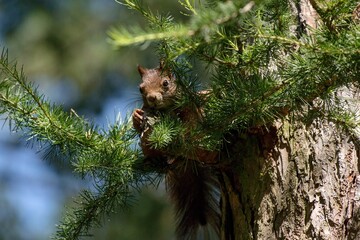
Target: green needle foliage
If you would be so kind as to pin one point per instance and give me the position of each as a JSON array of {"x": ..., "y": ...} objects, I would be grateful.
[
  {"x": 164, "y": 131},
  {"x": 262, "y": 69},
  {"x": 263, "y": 66},
  {"x": 107, "y": 157}
]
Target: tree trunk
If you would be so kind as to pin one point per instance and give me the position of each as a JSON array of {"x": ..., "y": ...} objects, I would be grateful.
[
  {"x": 298, "y": 179},
  {"x": 293, "y": 180},
  {"x": 299, "y": 182}
]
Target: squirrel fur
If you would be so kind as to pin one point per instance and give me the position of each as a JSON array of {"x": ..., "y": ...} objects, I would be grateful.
[{"x": 191, "y": 184}]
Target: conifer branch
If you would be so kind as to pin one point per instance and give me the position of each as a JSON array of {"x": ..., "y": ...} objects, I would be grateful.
[
  {"x": 188, "y": 6},
  {"x": 122, "y": 37},
  {"x": 108, "y": 157},
  {"x": 200, "y": 24},
  {"x": 91, "y": 210},
  {"x": 261, "y": 72}
]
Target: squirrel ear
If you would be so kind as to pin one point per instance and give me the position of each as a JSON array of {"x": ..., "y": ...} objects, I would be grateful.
[
  {"x": 141, "y": 70},
  {"x": 163, "y": 69}
]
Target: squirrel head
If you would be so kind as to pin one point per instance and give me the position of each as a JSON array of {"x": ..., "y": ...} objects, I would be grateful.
[{"x": 158, "y": 87}]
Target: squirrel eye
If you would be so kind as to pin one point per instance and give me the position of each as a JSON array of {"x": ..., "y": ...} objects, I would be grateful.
[
  {"x": 165, "y": 83},
  {"x": 141, "y": 89}
]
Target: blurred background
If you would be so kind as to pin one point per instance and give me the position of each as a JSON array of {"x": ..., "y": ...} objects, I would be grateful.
[{"x": 63, "y": 46}]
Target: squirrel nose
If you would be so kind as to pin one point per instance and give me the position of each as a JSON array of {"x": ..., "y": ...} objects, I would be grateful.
[{"x": 151, "y": 98}]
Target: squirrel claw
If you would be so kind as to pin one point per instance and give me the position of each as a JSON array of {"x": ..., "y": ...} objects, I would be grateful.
[{"x": 137, "y": 118}]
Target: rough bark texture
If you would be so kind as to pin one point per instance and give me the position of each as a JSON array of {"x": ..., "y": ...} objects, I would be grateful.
[
  {"x": 297, "y": 179},
  {"x": 292, "y": 183}
]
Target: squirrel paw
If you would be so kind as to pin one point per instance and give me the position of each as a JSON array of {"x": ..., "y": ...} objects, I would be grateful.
[{"x": 137, "y": 118}]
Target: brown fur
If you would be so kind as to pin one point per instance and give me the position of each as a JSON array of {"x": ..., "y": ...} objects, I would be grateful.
[
  {"x": 191, "y": 185},
  {"x": 191, "y": 188},
  {"x": 155, "y": 94}
]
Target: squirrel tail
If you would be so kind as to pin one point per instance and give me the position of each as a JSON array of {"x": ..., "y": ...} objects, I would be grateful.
[{"x": 194, "y": 191}]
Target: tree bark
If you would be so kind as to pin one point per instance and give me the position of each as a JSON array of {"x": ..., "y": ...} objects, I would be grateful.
[
  {"x": 292, "y": 182},
  {"x": 297, "y": 179}
]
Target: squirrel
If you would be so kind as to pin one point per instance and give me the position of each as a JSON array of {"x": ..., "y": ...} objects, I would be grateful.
[{"x": 191, "y": 183}]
